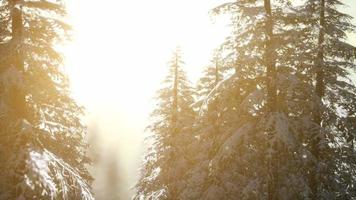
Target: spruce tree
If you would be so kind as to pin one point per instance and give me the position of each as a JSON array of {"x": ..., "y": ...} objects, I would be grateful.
[
  {"x": 41, "y": 147},
  {"x": 210, "y": 121},
  {"x": 206, "y": 127},
  {"x": 267, "y": 103},
  {"x": 165, "y": 165},
  {"x": 294, "y": 132},
  {"x": 332, "y": 175}
]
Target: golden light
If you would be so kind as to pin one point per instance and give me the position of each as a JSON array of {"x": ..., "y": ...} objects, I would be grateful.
[{"x": 119, "y": 56}]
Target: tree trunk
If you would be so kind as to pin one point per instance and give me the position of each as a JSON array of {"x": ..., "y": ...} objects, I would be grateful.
[
  {"x": 320, "y": 90},
  {"x": 172, "y": 188},
  {"x": 270, "y": 63},
  {"x": 270, "y": 59},
  {"x": 17, "y": 95},
  {"x": 175, "y": 95},
  {"x": 216, "y": 102}
]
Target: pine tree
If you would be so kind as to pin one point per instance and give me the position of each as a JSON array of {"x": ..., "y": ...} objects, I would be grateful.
[
  {"x": 285, "y": 129},
  {"x": 333, "y": 174},
  {"x": 267, "y": 103},
  {"x": 166, "y": 162},
  {"x": 42, "y": 149},
  {"x": 207, "y": 127},
  {"x": 212, "y": 75},
  {"x": 210, "y": 121}
]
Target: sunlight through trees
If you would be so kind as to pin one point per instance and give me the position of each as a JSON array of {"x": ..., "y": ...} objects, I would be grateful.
[{"x": 272, "y": 116}]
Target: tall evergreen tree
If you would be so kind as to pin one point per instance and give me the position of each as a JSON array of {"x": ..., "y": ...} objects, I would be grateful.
[
  {"x": 210, "y": 122},
  {"x": 41, "y": 147},
  {"x": 260, "y": 152},
  {"x": 212, "y": 75},
  {"x": 207, "y": 126},
  {"x": 332, "y": 175},
  {"x": 166, "y": 162}
]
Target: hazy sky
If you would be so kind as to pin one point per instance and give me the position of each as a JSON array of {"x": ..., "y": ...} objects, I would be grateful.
[{"x": 119, "y": 57}]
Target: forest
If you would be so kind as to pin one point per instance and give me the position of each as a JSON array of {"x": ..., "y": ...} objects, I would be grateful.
[{"x": 272, "y": 116}]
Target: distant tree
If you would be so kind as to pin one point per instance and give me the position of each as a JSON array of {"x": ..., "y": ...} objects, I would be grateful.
[
  {"x": 165, "y": 165},
  {"x": 113, "y": 181},
  {"x": 106, "y": 168},
  {"x": 42, "y": 149}
]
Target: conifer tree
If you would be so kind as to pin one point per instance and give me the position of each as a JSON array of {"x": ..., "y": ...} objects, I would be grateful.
[
  {"x": 212, "y": 75},
  {"x": 288, "y": 129},
  {"x": 41, "y": 147},
  {"x": 166, "y": 162},
  {"x": 206, "y": 127},
  {"x": 332, "y": 175},
  {"x": 268, "y": 104},
  {"x": 209, "y": 122}
]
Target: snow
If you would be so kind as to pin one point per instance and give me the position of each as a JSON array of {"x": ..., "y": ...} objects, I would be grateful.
[
  {"x": 39, "y": 165},
  {"x": 282, "y": 129}
]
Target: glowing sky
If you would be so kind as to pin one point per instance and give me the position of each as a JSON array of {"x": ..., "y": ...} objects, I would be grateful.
[
  {"x": 119, "y": 54},
  {"x": 119, "y": 57}
]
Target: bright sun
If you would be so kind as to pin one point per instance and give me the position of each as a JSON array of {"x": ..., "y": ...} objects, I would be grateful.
[
  {"x": 121, "y": 48},
  {"x": 119, "y": 56}
]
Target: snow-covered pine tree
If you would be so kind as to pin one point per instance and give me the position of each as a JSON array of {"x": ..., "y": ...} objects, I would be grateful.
[
  {"x": 267, "y": 103},
  {"x": 165, "y": 165},
  {"x": 212, "y": 75},
  {"x": 206, "y": 128},
  {"x": 209, "y": 122},
  {"x": 332, "y": 175},
  {"x": 42, "y": 149}
]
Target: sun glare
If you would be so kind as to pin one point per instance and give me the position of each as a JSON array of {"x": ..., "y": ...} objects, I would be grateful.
[
  {"x": 119, "y": 57},
  {"x": 120, "y": 48}
]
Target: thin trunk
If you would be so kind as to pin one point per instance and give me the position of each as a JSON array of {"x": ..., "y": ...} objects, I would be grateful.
[
  {"x": 320, "y": 57},
  {"x": 320, "y": 90},
  {"x": 172, "y": 189},
  {"x": 217, "y": 79},
  {"x": 270, "y": 63},
  {"x": 175, "y": 95},
  {"x": 215, "y": 103},
  {"x": 270, "y": 59},
  {"x": 17, "y": 96}
]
